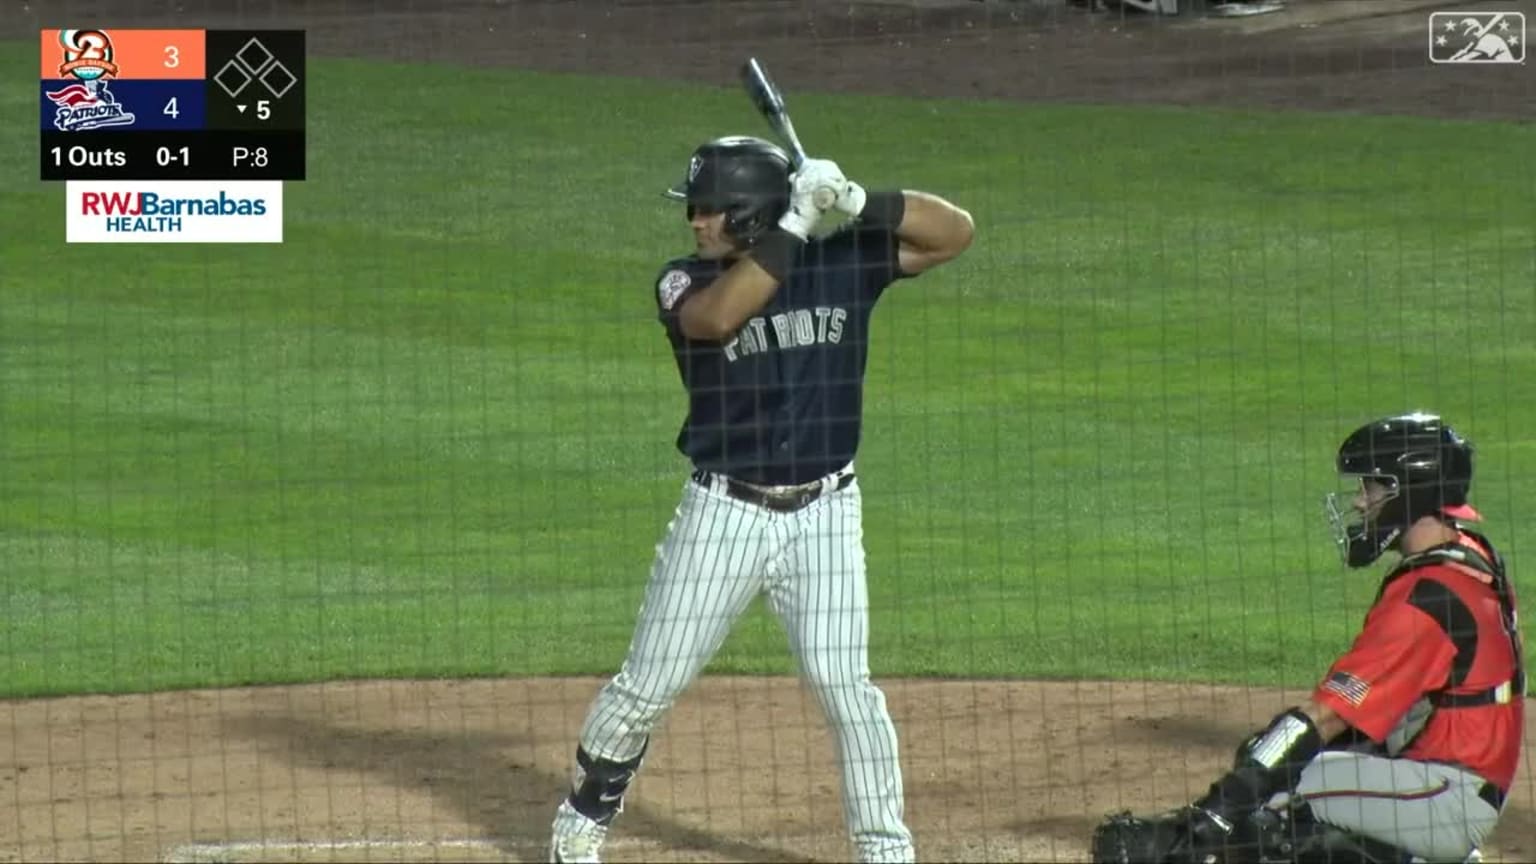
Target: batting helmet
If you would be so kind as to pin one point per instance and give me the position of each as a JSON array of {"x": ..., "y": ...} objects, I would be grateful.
[
  {"x": 743, "y": 177},
  {"x": 1426, "y": 467}
]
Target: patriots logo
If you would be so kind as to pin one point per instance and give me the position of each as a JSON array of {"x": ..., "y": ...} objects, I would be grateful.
[
  {"x": 74, "y": 94},
  {"x": 87, "y": 106}
]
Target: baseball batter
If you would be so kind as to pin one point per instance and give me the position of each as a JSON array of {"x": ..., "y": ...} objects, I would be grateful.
[
  {"x": 768, "y": 320},
  {"x": 1411, "y": 740}
]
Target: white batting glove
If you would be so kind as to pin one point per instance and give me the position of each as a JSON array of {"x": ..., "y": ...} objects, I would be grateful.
[
  {"x": 851, "y": 201},
  {"x": 824, "y": 179},
  {"x": 846, "y": 196},
  {"x": 801, "y": 217},
  {"x": 815, "y": 189}
]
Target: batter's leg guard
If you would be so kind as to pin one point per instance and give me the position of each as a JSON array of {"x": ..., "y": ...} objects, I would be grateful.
[{"x": 599, "y": 793}]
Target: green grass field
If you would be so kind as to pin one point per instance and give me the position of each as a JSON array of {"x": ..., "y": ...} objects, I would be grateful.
[{"x": 431, "y": 434}]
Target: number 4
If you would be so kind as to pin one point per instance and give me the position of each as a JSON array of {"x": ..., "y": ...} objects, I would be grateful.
[{"x": 171, "y": 110}]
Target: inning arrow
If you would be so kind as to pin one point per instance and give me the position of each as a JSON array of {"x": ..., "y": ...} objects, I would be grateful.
[{"x": 240, "y": 108}]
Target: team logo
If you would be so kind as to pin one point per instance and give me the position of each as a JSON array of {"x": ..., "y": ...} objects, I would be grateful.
[
  {"x": 87, "y": 55},
  {"x": 671, "y": 287},
  {"x": 1477, "y": 37},
  {"x": 87, "y": 104},
  {"x": 694, "y": 165}
]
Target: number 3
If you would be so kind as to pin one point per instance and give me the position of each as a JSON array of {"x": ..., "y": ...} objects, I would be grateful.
[{"x": 172, "y": 57}]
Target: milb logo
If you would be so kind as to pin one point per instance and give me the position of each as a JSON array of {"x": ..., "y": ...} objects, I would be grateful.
[{"x": 151, "y": 212}]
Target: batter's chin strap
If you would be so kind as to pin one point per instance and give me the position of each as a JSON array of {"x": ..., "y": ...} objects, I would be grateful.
[{"x": 1456, "y": 620}]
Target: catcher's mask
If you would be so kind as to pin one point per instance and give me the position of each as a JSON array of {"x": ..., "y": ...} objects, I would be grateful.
[
  {"x": 1400, "y": 469},
  {"x": 743, "y": 177}
]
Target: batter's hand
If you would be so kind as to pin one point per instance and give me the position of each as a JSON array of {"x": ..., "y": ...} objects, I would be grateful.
[
  {"x": 823, "y": 179},
  {"x": 813, "y": 190},
  {"x": 851, "y": 201}
]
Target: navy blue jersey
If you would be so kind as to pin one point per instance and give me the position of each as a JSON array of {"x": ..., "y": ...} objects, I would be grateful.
[{"x": 782, "y": 401}]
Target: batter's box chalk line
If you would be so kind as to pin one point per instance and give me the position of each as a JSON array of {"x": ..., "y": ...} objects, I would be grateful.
[
  {"x": 211, "y": 852},
  {"x": 257, "y": 850}
]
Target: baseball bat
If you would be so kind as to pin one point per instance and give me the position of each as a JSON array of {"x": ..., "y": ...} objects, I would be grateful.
[{"x": 770, "y": 103}]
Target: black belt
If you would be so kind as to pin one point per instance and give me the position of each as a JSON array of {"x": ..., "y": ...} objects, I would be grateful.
[
  {"x": 1492, "y": 794},
  {"x": 796, "y": 498}
]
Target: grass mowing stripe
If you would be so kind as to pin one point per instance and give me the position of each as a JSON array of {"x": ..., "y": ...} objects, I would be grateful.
[{"x": 432, "y": 433}]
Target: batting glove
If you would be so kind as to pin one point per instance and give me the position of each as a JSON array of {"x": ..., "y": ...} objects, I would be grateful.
[
  {"x": 824, "y": 180},
  {"x": 801, "y": 217},
  {"x": 851, "y": 202},
  {"x": 805, "y": 185},
  {"x": 844, "y": 195}
]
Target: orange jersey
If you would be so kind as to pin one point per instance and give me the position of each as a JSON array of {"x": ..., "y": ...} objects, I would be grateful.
[{"x": 1439, "y": 631}]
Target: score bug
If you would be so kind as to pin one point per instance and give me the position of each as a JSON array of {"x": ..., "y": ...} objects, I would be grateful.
[
  {"x": 168, "y": 156},
  {"x": 256, "y": 156},
  {"x": 80, "y": 156}
]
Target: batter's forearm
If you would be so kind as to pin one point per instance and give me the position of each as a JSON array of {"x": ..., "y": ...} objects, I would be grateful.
[{"x": 718, "y": 311}]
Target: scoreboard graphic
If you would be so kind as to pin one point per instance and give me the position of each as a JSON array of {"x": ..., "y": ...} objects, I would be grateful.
[
  {"x": 172, "y": 136},
  {"x": 172, "y": 104}
]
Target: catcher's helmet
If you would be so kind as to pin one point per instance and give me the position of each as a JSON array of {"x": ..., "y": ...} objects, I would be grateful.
[
  {"x": 745, "y": 178},
  {"x": 1426, "y": 467}
]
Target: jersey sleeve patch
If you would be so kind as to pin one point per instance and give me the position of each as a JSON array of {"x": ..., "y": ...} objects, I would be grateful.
[
  {"x": 1347, "y": 687},
  {"x": 671, "y": 287}
]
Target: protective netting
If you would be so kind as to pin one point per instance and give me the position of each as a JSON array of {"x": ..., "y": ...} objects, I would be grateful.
[{"x": 325, "y": 551}]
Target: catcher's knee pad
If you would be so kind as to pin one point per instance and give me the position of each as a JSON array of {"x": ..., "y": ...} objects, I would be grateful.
[{"x": 1280, "y": 836}]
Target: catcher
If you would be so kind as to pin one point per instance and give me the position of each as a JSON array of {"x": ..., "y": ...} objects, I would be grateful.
[{"x": 1407, "y": 747}]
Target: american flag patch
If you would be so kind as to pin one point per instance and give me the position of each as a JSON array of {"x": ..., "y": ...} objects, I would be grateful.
[{"x": 1352, "y": 689}]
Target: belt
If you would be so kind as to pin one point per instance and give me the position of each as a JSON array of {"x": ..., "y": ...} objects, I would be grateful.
[
  {"x": 1492, "y": 794},
  {"x": 781, "y": 499}
]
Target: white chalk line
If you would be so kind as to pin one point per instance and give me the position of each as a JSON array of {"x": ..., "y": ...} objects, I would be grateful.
[
  {"x": 227, "y": 850},
  {"x": 192, "y": 853}
]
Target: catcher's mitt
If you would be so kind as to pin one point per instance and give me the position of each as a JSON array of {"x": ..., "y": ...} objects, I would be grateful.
[
  {"x": 1126, "y": 839},
  {"x": 1187, "y": 835}
]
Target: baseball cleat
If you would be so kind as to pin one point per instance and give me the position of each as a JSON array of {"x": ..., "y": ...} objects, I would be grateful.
[{"x": 575, "y": 839}]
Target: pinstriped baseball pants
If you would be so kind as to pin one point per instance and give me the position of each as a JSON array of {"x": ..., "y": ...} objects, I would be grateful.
[{"x": 718, "y": 555}]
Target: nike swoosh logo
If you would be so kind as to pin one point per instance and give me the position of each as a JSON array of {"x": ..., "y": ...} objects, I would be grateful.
[{"x": 607, "y": 798}]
